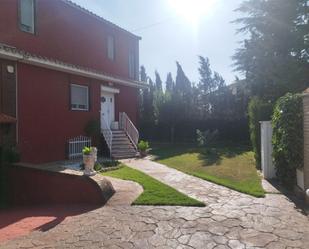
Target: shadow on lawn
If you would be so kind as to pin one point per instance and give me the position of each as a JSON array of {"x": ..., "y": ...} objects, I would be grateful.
[{"x": 212, "y": 154}]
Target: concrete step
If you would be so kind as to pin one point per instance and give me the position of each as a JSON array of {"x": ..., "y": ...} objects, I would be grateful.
[
  {"x": 119, "y": 134},
  {"x": 118, "y": 131},
  {"x": 121, "y": 138},
  {"x": 122, "y": 147},
  {"x": 128, "y": 143},
  {"x": 124, "y": 150}
]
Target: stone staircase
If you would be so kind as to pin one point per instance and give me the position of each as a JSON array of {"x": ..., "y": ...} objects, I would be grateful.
[{"x": 122, "y": 146}]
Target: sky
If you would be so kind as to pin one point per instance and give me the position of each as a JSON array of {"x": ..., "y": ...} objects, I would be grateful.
[{"x": 172, "y": 31}]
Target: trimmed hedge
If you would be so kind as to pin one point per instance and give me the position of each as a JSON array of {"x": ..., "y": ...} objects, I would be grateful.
[
  {"x": 288, "y": 138},
  {"x": 258, "y": 110},
  {"x": 185, "y": 132}
]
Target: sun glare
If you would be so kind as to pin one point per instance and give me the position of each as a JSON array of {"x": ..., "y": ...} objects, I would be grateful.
[{"x": 192, "y": 10}]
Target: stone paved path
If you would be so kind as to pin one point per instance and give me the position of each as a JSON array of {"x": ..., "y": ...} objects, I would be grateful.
[{"x": 230, "y": 220}]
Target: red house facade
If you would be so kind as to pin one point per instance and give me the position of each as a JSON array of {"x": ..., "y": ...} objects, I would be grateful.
[{"x": 62, "y": 66}]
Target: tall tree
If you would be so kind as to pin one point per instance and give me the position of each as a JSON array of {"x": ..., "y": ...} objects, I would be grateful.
[
  {"x": 182, "y": 84},
  {"x": 158, "y": 94},
  {"x": 206, "y": 81},
  {"x": 143, "y": 94},
  {"x": 208, "y": 87},
  {"x": 147, "y": 111},
  {"x": 169, "y": 84},
  {"x": 143, "y": 74},
  {"x": 275, "y": 56},
  {"x": 158, "y": 82}
]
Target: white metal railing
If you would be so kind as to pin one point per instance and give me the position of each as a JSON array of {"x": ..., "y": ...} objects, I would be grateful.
[
  {"x": 76, "y": 146},
  {"x": 107, "y": 134},
  {"x": 127, "y": 125}
]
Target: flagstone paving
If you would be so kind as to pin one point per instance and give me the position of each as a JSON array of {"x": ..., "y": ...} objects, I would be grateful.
[{"x": 229, "y": 220}]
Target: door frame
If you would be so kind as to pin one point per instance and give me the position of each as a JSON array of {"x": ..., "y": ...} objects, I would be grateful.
[{"x": 109, "y": 91}]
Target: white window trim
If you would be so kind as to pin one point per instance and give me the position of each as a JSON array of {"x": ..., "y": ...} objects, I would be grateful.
[
  {"x": 80, "y": 109},
  {"x": 33, "y": 31}
]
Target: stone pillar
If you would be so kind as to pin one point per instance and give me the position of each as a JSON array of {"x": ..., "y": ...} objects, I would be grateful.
[{"x": 306, "y": 141}]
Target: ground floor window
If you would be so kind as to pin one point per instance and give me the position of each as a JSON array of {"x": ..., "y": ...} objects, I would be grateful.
[{"x": 79, "y": 98}]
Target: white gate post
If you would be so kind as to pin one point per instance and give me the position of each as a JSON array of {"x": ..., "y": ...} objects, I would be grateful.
[
  {"x": 268, "y": 168},
  {"x": 306, "y": 143}
]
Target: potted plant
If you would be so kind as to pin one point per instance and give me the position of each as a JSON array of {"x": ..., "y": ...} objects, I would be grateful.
[
  {"x": 89, "y": 159},
  {"x": 143, "y": 147}
]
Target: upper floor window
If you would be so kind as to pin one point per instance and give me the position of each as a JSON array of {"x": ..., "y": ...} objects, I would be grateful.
[
  {"x": 132, "y": 65},
  {"x": 79, "y": 98},
  {"x": 111, "y": 47},
  {"x": 27, "y": 15}
]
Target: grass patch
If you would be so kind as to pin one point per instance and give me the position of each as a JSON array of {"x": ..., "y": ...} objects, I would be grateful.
[
  {"x": 155, "y": 192},
  {"x": 230, "y": 166}
]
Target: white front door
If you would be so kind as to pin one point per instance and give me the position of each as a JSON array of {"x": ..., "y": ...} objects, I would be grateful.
[{"x": 108, "y": 107}]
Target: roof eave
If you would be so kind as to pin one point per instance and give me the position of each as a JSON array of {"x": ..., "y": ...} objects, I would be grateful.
[{"x": 68, "y": 68}]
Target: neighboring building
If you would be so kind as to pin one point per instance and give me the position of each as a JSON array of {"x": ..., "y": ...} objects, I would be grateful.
[{"x": 60, "y": 67}]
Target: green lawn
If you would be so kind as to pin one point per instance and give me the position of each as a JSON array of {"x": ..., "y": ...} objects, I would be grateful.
[
  {"x": 230, "y": 166},
  {"x": 155, "y": 192}
]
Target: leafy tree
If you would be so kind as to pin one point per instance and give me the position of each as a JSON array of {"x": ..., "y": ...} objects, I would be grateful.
[{"x": 275, "y": 56}]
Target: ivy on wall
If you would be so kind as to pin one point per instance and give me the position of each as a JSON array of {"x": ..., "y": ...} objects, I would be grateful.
[{"x": 288, "y": 138}]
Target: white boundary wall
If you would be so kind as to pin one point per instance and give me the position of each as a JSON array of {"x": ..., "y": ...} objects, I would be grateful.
[{"x": 268, "y": 168}]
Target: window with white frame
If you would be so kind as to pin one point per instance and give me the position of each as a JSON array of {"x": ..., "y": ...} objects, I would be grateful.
[
  {"x": 111, "y": 47},
  {"x": 132, "y": 65},
  {"x": 27, "y": 15},
  {"x": 79, "y": 98}
]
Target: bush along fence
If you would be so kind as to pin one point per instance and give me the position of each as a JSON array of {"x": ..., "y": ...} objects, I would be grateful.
[
  {"x": 287, "y": 140},
  {"x": 228, "y": 130}
]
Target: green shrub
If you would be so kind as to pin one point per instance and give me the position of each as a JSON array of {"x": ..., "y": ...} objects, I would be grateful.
[
  {"x": 287, "y": 138},
  {"x": 87, "y": 151},
  {"x": 143, "y": 146},
  {"x": 93, "y": 128},
  {"x": 204, "y": 138},
  {"x": 110, "y": 163},
  {"x": 97, "y": 167},
  {"x": 258, "y": 110}
]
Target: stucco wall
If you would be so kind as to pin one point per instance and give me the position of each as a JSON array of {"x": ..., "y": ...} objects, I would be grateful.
[
  {"x": 45, "y": 120},
  {"x": 66, "y": 33}
]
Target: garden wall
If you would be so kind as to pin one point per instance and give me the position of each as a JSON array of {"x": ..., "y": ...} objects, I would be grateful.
[{"x": 29, "y": 186}]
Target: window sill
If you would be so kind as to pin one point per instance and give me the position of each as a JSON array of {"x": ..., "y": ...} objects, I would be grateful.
[{"x": 81, "y": 110}]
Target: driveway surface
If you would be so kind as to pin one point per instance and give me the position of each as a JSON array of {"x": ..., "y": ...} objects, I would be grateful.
[{"x": 229, "y": 220}]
